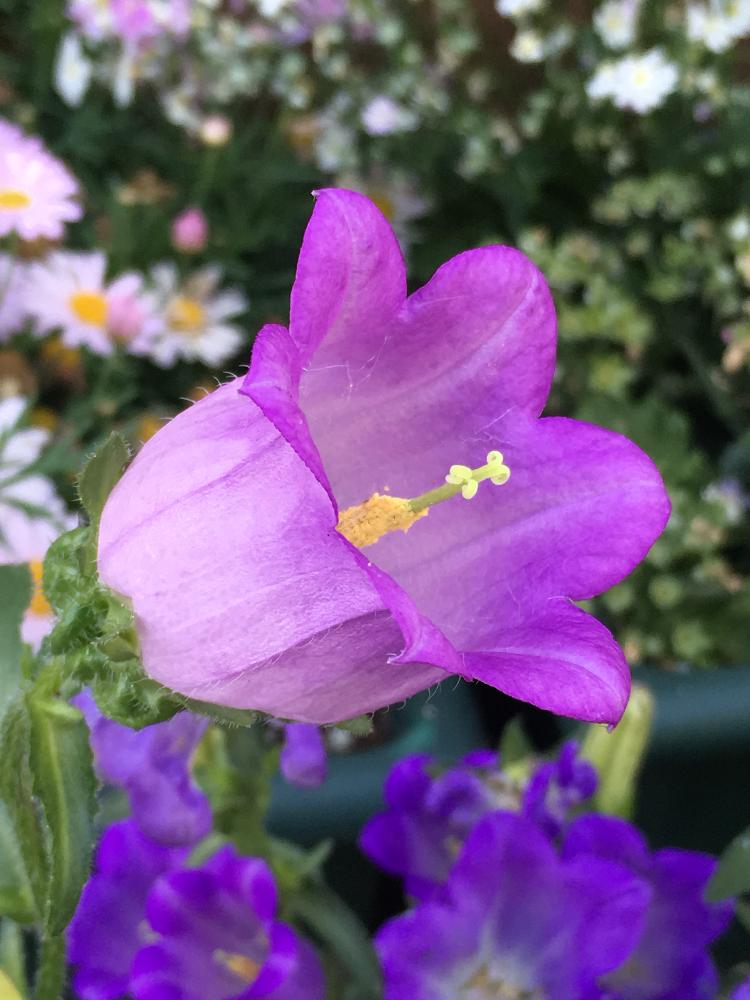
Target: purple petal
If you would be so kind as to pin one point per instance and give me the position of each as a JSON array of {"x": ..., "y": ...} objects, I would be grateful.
[
  {"x": 222, "y": 481},
  {"x": 564, "y": 661},
  {"x": 303, "y": 758}
]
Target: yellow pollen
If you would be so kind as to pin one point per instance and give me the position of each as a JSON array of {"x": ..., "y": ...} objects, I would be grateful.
[
  {"x": 368, "y": 522},
  {"x": 243, "y": 967},
  {"x": 12, "y": 199},
  {"x": 89, "y": 307},
  {"x": 186, "y": 315},
  {"x": 39, "y": 605}
]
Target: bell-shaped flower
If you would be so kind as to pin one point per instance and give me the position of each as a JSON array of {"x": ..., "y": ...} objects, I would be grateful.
[{"x": 251, "y": 589}]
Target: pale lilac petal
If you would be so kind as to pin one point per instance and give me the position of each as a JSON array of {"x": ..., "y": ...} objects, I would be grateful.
[{"x": 218, "y": 486}]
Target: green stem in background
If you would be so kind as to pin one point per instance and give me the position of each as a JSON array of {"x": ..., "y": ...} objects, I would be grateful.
[
  {"x": 12, "y": 960},
  {"x": 339, "y": 930},
  {"x": 51, "y": 976}
]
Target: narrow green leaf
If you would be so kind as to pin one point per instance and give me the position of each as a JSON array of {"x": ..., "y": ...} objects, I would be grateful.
[
  {"x": 101, "y": 473},
  {"x": 15, "y": 594},
  {"x": 16, "y": 793},
  {"x": 16, "y": 896},
  {"x": 12, "y": 957},
  {"x": 65, "y": 784},
  {"x": 732, "y": 875}
]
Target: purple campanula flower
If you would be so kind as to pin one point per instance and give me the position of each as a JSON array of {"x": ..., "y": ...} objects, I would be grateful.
[
  {"x": 218, "y": 938},
  {"x": 223, "y": 531},
  {"x": 108, "y": 927},
  {"x": 670, "y": 960},
  {"x": 303, "y": 757},
  {"x": 742, "y": 992},
  {"x": 428, "y": 818},
  {"x": 153, "y": 766},
  {"x": 558, "y": 787},
  {"x": 516, "y": 921}
]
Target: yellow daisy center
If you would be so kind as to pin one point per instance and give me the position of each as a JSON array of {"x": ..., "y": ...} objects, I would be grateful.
[
  {"x": 12, "y": 199},
  {"x": 89, "y": 307},
  {"x": 39, "y": 605},
  {"x": 186, "y": 315}
]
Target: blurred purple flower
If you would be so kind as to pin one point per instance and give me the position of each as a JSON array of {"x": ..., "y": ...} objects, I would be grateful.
[
  {"x": 742, "y": 992},
  {"x": 153, "y": 766},
  {"x": 516, "y": 921},
  {"x": 303, "y": 756},
  {"x": 670, "y": 960},
  {"x": 218, "y": 938},
  {"x": 557, "y": 788},
  {"x": 108, "y": 927},
  {"x": 428, "y": 818},
  {"x": 223, "y": 534}
]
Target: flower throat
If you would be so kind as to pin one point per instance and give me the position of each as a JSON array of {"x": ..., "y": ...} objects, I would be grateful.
[{"x": 368, "y": 522}]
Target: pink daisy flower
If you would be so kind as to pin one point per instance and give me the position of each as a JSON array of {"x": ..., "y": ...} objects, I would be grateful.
[
  {"x": 69, "y": 292},
  {"x": 38, "y": 195}
]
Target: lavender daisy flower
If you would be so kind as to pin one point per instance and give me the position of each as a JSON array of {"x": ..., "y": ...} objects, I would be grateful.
[
  {"x": 427, "y": 820},
  {"x": 303, "y": 757},
  {"x": 557, "y": 788},
  {"x": 153, "y": 766},
  {"x": 109, "y": 926},
  {"x": 274, "y": 484},
  {"x": 37, "y": 193},
  {"x": 12, "y": 296},
  {"x": 670, "y": 960},
  {"x": 516, "y": 921},
  {"x": 218, "y": 938}
]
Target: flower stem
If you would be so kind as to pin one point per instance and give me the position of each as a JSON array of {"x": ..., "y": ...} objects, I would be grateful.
[{"x": 51, "y": 975}]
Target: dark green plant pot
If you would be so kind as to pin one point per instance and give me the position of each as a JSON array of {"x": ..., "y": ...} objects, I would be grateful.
[
  {"x": 695, "y": 787},
  {"x": 444, "y": 724}
]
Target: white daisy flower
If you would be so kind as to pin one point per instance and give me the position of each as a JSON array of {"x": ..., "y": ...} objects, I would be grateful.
[
  {"x": 384, "y": 116},
  {"x": 73, "y": 70},
  {"x": 615, "y": 23},
  {"x": 528, "y": 47},
  {"x": 69, "y": 292},
  {"x": 517, "y": 8},
  {"x": 639, "y": 83},
  {"x": 32, "y": 515},
  {"x": 718, "y": 26},
  {"x": 192, "y": 318}
]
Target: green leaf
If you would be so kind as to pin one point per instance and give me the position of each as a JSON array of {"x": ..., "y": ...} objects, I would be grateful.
[
  {"x": 515, "y": 745},
  {"x": 65, "y": 571},
  {"x": 12, "y": 958},
  {"x": 361, "y": 726},
  {"x": 20, "y": 807},
  {"x": 337, "y": 927},
  {"x": 16, "y": 895},
  {"x": 64, "y": 781},
  {"x": 100, "y": 474},
  {"x": 618, "y": 755},
  {"x": 15, "y": 594},
  {"x": 732, "y": 875}
]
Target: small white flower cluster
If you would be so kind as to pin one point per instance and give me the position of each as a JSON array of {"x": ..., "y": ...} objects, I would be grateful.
[
  {"x": 718, "y": 25},
  {"x": 637, "y": 83}
]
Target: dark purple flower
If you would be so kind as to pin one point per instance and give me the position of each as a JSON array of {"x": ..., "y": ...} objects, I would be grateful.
[
  {"x": 428, "y": 818},
  {"x": 153, "y": 766},
  {"x": 218, "y": 938},
  {"x": 557, "y": 788},
  {"x": 303, "y": 757},
  {"x": 108, "y": 927},
  {"x": 670, "y": 960},
  {"x": 232, "y": 532},
  {"x": 516, "y": 921}
]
